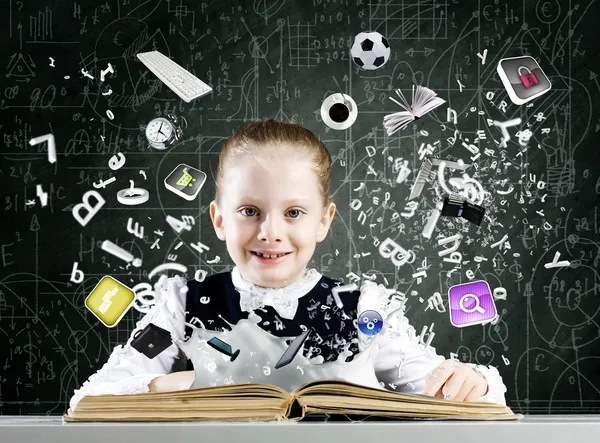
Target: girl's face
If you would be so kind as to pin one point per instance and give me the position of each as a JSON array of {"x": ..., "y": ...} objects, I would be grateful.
[{"x": 275, "y": 208}]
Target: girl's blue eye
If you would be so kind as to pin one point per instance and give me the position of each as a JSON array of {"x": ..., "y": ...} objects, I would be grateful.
[
  {"x": 246, "y": 209},
  {"x": 296, "y": 210}
]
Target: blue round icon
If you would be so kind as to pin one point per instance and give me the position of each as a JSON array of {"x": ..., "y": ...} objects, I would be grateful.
[{"x": 370, "y": 322}]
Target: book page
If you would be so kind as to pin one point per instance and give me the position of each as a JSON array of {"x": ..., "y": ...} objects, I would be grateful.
[
  {"x": 403, "y": 102},
  {"x": 229, "y": 402},
  {"x": 429, "y": 106},
  {"x": 341, "y": 387},
  {"x": 397, "y": 120},
  {"x": 233, "y": 390},
  {"x": 338, "y": 394},
  {"x": 214, "y": 392},
  {"x": 425, "y": 100}
]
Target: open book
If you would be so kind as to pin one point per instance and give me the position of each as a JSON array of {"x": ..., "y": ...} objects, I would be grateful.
[
  {"x": 424, "y": 100},
  {"x": 263, "y": 402}
]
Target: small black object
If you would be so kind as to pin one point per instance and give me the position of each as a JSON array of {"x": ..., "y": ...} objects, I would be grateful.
[
  {"x": 456, "y": 206},
  {"x": 293, "y": 349},
  {"x": 473, "y": 213},
  {"x": 223, "y": 347},
  {"x": 151, "y": 340},
  {"x": 453, "y": 207},
  {"x": 339, "y": 112}
]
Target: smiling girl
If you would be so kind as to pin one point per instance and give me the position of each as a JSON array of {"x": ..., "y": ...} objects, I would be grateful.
[{"x": 271, "y": 208}]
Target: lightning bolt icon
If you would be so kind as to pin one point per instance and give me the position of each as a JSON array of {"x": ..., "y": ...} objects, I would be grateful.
[{"x": 42, "y": 195}]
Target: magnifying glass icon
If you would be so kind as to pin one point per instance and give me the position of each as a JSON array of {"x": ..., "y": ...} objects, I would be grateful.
[{"x": 477, "y": 307}]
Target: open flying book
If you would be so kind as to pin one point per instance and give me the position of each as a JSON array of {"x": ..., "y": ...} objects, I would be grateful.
[
  {"x": 423, "y": 101},
  {"x": 263, "y": 402}
]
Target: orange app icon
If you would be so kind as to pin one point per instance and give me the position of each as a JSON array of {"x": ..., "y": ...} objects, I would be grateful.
[{"x": 110, "y": 300}]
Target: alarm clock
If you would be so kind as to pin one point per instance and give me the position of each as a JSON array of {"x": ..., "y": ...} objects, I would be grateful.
[{"x": 162, "y": 133}]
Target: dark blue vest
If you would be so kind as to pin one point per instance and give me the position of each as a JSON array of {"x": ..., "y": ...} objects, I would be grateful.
[{"x": 333, "y": 327}]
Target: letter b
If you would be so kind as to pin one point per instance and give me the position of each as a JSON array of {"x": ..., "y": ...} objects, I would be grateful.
[
  {"x": 86, "y": 205},
  {"x": 76, "y": 274}
]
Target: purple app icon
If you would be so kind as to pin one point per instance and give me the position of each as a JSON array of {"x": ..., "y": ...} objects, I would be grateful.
[{"x": 471, "y": 304}]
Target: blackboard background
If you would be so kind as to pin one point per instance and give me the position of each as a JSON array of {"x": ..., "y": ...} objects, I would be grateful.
[{"x": 280, "y": 59}]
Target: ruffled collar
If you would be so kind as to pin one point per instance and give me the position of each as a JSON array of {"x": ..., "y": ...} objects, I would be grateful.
[{"x": 284, "y": 300}]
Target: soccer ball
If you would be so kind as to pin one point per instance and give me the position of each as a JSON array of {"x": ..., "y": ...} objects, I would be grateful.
[{"x": 370, "y": 50}]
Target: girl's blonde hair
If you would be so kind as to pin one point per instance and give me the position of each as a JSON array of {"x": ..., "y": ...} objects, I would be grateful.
[{"x": 271, "y": 139}]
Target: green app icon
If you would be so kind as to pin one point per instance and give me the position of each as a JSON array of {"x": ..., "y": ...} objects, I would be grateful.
[{"x": 185, "y": 181}]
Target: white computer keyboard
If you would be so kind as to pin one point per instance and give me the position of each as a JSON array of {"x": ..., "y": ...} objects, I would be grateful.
[{"x": 183, "y": 83}]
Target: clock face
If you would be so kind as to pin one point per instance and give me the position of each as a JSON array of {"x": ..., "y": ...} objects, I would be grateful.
[{"x": 159, "y": 130}]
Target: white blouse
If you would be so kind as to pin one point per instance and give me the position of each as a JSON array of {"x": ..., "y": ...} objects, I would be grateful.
[{"x": 127, "y": 371}]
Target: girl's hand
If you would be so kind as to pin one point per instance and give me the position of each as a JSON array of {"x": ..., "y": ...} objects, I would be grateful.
[
  {"x": 453, "y": 380},
  {"x": 176, "y": 381}
]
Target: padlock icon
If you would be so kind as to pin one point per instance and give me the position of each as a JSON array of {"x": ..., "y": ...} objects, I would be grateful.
[
  {"x": 528, "y": 79},
  {"x": 523, "y": 78}
]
